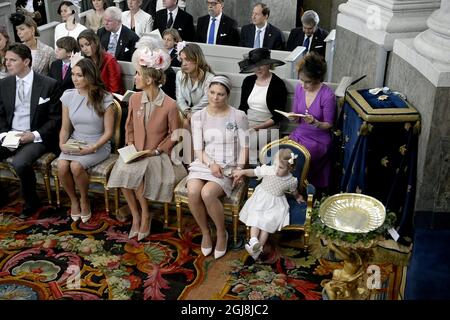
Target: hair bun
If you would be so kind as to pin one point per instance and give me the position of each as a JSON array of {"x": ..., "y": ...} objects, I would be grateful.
[{"x": 17, "y": 18}]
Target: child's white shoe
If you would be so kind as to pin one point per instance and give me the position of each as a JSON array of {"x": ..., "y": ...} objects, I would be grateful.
[{"x": 253, "y": 246}]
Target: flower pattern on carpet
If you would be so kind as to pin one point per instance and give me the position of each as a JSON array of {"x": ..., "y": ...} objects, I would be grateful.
[
  {"x": 282, "y": 274},
  {"x": 48, "y": 256}
]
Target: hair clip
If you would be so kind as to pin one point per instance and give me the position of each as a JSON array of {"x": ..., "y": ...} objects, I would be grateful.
[{"x": 293, "y": 157}]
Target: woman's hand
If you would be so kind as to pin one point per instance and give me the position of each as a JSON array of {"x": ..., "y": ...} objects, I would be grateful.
[
  {"x": 216, "y": 170},
  {"x": 309, "y": 119},
  {"x": 238, "y": 174},
  {"x": 66, "y": 150},
  {"x": 238, "y": 177},
  {"x": 87, "y": 150}
]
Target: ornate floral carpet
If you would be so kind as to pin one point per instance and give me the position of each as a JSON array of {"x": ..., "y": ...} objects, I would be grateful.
[
  {"x": 287, "y": 273},
  {"x": 48, "y": 256}
]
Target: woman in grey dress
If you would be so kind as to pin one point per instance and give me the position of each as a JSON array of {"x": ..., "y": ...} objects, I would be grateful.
[
  {"x": 87, "y": 116},
  {"x": 220, "y": 145}
]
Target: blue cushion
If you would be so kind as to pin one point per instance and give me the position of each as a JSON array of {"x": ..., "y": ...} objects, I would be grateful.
[{"x": 297, "y": 211}]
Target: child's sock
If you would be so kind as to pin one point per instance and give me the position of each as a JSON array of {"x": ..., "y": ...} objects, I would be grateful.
[{"x": 253, "y": 240}]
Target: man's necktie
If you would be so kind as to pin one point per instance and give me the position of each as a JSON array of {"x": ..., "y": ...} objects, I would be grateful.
[
  {"x": 257, "y": 43},
  {"x": 64, "y": 70},
  {"x": 20, "y": 91},
  {"x": 112, "y": 44},
  {"x": 306, "y": 44},
  {"x": 212, "y": 31},
  {"x": 170, "y": 21}
]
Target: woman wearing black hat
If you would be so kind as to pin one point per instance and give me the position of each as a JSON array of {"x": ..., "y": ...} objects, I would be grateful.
[{"x": 261, "y": 94}]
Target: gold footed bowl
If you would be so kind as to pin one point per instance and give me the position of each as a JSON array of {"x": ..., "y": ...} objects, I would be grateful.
[{"x": 352, "y": 212}]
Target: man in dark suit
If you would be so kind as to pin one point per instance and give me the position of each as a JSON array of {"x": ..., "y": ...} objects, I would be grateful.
[
  {"x": 26, "y": 106},
  {"x": 310, "y": 35},
  {"x": 173, "y": 17},
  {"x": 216, "y": 27},
  {"x": 116, "y": 38},
  {"x": 260, "y": 33}
]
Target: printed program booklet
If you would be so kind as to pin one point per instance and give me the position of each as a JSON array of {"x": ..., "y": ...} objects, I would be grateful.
[{"x": 129, "y": 153}]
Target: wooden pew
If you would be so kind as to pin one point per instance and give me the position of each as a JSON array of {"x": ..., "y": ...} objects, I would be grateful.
[{"x": 225, "y": 59}]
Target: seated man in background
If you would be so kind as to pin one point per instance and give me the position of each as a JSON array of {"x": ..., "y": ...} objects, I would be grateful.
[
  {"x": 117, "y": 39},
  {"x": 216, "y": 27},
  {"x": 310, "y": 35},
  {"x": 26, "y": 107},
  {"x": 260, "y": 33}
]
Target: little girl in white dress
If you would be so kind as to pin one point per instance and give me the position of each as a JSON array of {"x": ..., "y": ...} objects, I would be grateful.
[{"x": 267, "y": 210}]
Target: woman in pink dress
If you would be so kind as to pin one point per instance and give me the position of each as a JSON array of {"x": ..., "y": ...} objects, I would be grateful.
[
  {"x": 219, "y": 136},
  {"x": 318, "y": 102}
]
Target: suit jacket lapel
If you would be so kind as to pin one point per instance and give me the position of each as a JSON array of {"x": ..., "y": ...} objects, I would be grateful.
[
  {"x": 120, "y": 42},
  {"x": 36, "y": 89},
  {"x": 10, "y": 101},
  {"x": 105, "y": 39},
  {"x": 68, "y": 73},
  {"x": 267, "y": 36}
]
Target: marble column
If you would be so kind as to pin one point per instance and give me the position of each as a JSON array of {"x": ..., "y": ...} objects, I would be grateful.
[
  {"x": 366, "y": 30},
  {"x": 420, "y": 68}
]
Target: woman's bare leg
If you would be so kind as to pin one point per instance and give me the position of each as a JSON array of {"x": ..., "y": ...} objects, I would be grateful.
[
  {"x": 198, "y": 209},
  {"x": 66, "y": 178},
  {"x": 211, "y": 194},
  {"x": 81, "y": 178},
  {"x": 146, "y": 219},
  {"x": 132, "y": 204}
]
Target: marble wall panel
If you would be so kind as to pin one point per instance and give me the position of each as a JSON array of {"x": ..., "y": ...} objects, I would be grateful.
[
  {"x": 355, "y": 56},
  {"x": 433, "y": 178}
]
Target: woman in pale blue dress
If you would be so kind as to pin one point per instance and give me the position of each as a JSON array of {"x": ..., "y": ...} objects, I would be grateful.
[{"x": 87, "y": 116}]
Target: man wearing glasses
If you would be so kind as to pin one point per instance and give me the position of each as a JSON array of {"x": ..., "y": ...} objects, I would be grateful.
[{"x": 216, "y": 27}]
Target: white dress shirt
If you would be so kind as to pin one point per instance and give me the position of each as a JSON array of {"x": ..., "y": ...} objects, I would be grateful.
[
  {"x": 174, "y": 14},
  {"x": 261, "y": 35},
  {"x": 216, "y": 29}
]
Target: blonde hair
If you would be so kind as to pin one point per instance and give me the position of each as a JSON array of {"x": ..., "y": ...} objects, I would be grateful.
[{"x": 283, "y": 156}]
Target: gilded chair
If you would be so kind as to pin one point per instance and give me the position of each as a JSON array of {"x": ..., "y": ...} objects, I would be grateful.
[
  {"x": 42, "y": 168},
  {"x": 99, "y": 174},
  {"x": 299, "y": 213}
]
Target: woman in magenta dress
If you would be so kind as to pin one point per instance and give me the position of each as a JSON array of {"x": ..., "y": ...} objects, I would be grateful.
[{"x": 318, "y": 102}]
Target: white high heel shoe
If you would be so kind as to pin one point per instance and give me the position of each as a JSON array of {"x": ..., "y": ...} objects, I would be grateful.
[
  {"x": 85, "y": 218},
  {"x": 206, "y": 251},
  {"x": 217, "y": 253}
]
